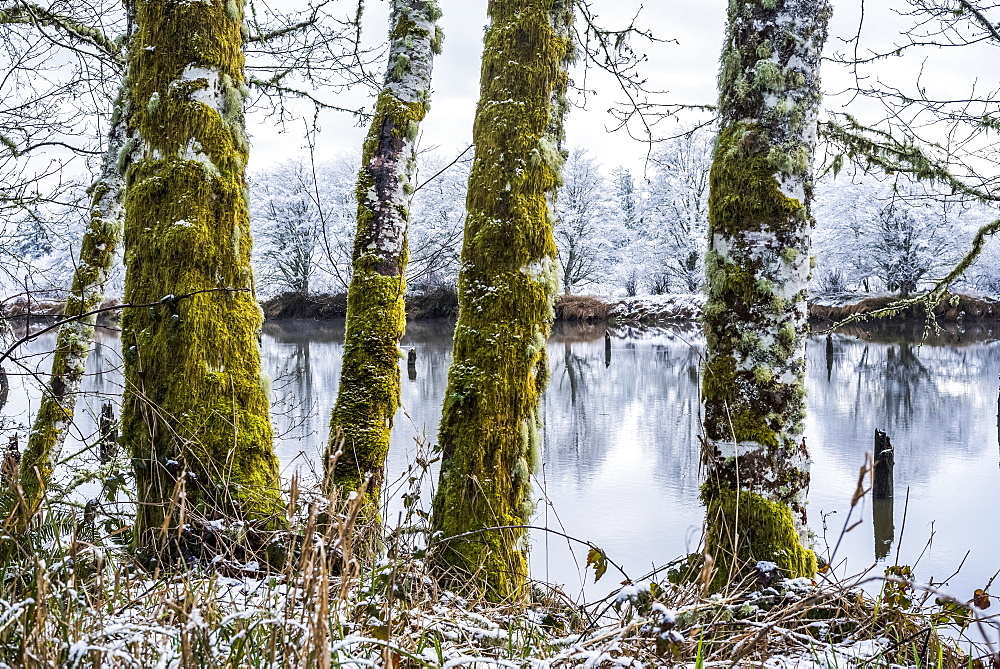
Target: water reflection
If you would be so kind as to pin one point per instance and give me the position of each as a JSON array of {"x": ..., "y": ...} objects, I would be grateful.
[
  {"x": 619, "y": 462},
  {"x": 931, "y": 397},
  {"x": 829, "y": 356},
  {"x": 885, "y": 527}
]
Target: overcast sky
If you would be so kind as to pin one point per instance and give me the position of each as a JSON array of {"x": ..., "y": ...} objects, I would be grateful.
[{"x": 686, "y": 70}]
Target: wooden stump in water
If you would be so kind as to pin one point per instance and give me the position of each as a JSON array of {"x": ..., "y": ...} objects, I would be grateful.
[
  {"x": 882, "y": 489},
  {"x": 884, "y": 461},
  {"x": 607, "y": 348},
  {"x": 411, "y": 364},
  {"x": 108, "y": 430}
]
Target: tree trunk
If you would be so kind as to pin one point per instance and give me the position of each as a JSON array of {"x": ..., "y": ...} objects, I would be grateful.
[
  {"x": 757, "y": 268},
  {"x": 369, "y": 383},
  {"x": 74, "y": 340},
  {"x": 507, "y": 283},
  {"x": 195, "y": 411}
]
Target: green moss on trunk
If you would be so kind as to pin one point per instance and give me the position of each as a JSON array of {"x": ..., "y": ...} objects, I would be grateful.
[
  {"x": 369, "y": 384},
  {"x": 757, "y": 276},
  {"x": 489, "y": 428},
  {"x": 744, "y": 528},
  {"x": 195, "y": 411}
]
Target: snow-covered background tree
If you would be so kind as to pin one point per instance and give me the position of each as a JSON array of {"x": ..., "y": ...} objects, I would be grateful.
[
  {"x": 39, "y": 246},
  {"x": 886, "y": 234},
  {"x": 289, "y": 227},
  {"x": 676, "y": 214},
  {"x": 437, "y": 214},
  {"x": 585, "y": 228},
  {"x": 303, "y": 222},
  {"x": 615, "y": 235}
]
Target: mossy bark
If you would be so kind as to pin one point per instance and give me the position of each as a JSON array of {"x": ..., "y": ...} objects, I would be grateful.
[
  {"x": 195, "y": 411},
  {"x": 757, "y": 268},
  {"x": 489, "y": 426},
  {"x": 369, "y": 383},
  {"x": 74, "y": 340}
]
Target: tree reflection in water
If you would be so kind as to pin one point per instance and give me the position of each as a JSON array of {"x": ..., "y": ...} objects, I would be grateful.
[{"x": 619, "y": 444}]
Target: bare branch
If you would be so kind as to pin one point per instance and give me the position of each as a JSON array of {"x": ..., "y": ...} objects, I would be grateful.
[{"x": 23, "y": 13}]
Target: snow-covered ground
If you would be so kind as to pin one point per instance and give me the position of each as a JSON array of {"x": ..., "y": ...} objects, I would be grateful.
[{"x": 677, "y": 307}]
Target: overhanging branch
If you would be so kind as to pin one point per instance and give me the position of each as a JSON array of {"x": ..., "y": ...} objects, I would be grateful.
[{"x": 32, "y": 14}]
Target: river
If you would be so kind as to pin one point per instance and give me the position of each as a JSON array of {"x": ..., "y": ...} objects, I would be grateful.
[{"x": 619, "y": 463}]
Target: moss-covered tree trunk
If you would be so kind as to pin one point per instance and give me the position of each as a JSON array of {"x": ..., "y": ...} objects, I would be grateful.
[
  {"x": 369, "y": 383},
  {"x": 195, "y": 408},
  {"x": 506, "y": 286},
  {"x": 75, "y": 339},
  {"x": 757, "y": 267}
]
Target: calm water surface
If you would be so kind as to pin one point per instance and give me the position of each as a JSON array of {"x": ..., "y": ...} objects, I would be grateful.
[{"x": 619, "y": 463}]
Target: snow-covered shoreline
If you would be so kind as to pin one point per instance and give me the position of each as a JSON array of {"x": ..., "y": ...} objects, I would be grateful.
[{"x": 639, "y": 310}]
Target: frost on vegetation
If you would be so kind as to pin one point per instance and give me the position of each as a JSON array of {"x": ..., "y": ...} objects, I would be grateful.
[
  {"x": 279, "y": 621},
  {"x": 678, "y": 306},
  {"x": 540, "y": 271}
]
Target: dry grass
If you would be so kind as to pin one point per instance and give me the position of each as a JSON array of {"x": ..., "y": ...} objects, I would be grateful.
[
  {"x": 91, "y": 603},
  {"x": 297, "y": 305},
  {"x": 581, "y": 308},
  {"x": 74, "y": 595},
  {"x": 953, "y": 308}
]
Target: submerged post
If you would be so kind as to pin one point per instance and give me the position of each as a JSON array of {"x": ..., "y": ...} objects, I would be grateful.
[
  {"x": 607, "y": 348},
  {"x": 829, "y": 356},
  {"x": 884, "y": 461},
  {"x": 885, "y": 529},
  {"x": 411, "y": 364}
]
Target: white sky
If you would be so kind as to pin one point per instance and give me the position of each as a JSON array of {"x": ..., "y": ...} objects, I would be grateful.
[{"x": 686, "y": 70}]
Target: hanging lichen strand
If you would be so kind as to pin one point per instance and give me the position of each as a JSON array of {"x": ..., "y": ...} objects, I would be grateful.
[
  {"x": 369, "y": 383},
  {"x": 74, "y": 339},
  {"x": 195, "y": 410},
  {"x": 489, "y": 427},
  {"x": 758, "y": 268}
]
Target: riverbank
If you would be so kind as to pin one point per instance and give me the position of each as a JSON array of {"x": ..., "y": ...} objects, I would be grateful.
[
  {"x": 824, "y": 311},
  {"x": 954, "y": 308},
  {"x": 443, "y": 303}
]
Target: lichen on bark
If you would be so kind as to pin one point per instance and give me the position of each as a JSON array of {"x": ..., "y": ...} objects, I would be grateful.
[
  {"x": 757, "y": 268},
  {"x": 490, "y": 422},
  {"x": 195, "y": 411},
  {"x": 369, "y": 383}
]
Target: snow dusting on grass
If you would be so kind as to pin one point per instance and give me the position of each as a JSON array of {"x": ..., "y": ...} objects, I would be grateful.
[
  {"x": 651, "y": 308},
  {"x": 393, "y": 615}
]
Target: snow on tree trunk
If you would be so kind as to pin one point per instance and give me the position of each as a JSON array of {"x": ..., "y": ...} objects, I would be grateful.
[
  {"x": 757, "y": 267},
  {"x": 75, "y": 339},
  {"x": 509, "y": 276},
  {"x": 369, "y": 383},
  {"x": 195, "y": 411}
]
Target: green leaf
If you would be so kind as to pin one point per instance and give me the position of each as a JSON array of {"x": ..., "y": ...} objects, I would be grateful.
[
  {"x": 599, "y": 560},
  {"x": 952, "y": 613}
]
